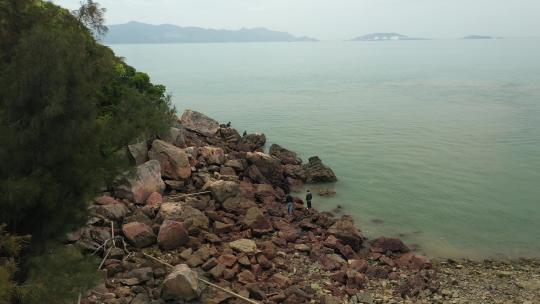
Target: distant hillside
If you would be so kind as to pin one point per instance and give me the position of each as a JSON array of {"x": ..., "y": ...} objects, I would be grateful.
[
  {"x": 477, "y": 37},
  {"x": 136, "y": 32},
  {"x": 385, "y": 36}
]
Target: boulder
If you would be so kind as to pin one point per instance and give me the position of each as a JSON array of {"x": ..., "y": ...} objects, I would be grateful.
[
  {"x": 256, "y": 220},
  {"x": 269, "y": 166},
  {"x": 200, "y": 123},
  {"x": 287, "y": 157},
  {"x": 220, "y": 227},
  {"x": 252, "y": 142},
  {"x": 222, "y": 190},
  {"x": 105, "y": 200},
  {"x": 295, "y": 171},
  {"x": 281, "y": 280},
  {"x": 238, "y": 204},
  {"x": 317, "y": 172},
  {"x": 195, "y": 218},
  {"x": 181, "y": 284},
  {"x": 347, "y": 233},
  {"x": 212, "y": 155},
  {"x": 246, "y": 277},
  {"x": 139, "y": 234},
  {"x": 227, "y": 171},
  {"x": 190, "y": 216},
  {"x": 199, "y": 203},
  {"x": 155, "y": 199},
  {"x": 244, "y": 245},
  {"x": 255, "y": 175},
  {"x": 230, "y": 135},
  {"x": 170, "y": 211},
  {"x": 173, "y": 160},
  {"x": 236, "y": 164},
  {"x": 295, "y": 185},
  {"x": 114, "y": 212},
  {"x": 176, "y": 136},
  {"x": 138, "y": 152},
  {"x": 172, "y": 235},
  {"x": 138, "y": 186},
  {"x": 384, "y": 244}
]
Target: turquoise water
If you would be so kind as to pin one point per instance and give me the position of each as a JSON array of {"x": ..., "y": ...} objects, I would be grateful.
[{"x": 439, "y": 140}]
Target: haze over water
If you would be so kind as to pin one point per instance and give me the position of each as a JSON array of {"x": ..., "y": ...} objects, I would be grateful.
[{"x": 439, "y": 140}]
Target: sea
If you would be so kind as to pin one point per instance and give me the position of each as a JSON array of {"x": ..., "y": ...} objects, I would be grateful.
[{"x": 436, "y": 142}]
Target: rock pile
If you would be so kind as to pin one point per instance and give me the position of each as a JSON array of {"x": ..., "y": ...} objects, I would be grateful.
[{"x": 210, "y": 202}]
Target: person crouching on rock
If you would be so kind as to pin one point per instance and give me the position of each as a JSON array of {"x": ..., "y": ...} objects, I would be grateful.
[
  {"x": 309, "y": 197},
  {"x": 289, "y": 202}
]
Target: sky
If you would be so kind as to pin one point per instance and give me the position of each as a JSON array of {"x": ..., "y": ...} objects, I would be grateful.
[{"x": 337, "y": 19}]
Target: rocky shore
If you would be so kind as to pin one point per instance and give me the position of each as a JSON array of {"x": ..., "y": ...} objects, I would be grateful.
[{"x": 205, "y": 206}]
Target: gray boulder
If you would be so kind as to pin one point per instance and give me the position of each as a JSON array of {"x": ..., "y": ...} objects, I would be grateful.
[
  {"x": 138, "y": 186},
  {"x": 287, "y": 157},
  {"x": 200, "y": 123},
  {"x": 317, "y": 172},
  {"x": 181, "y": 284},
  {"x": 138, "y": 152},
  {"x": 173, "y": 160},
  {"x": 176, "y": 136},
  {"x": 222, "y": 190}
]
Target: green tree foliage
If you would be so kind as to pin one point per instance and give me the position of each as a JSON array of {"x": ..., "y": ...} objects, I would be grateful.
[
  {"x": 92, "y": 16},
  {"x": 68, "y": 108},
  {"x": 58, "y": 277},
  {"x": 10, "y": 250}
]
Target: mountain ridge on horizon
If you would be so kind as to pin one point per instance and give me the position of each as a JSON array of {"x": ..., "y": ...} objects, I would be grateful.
[{"x": 139, "y": 32}]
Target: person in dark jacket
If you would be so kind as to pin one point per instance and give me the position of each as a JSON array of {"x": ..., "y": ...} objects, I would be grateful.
[
  {"x": 309, "y": 197},
  {"x": 289, "y": 202}
]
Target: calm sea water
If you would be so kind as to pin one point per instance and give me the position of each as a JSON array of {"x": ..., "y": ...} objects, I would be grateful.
[{"x": 434, "y": 141}]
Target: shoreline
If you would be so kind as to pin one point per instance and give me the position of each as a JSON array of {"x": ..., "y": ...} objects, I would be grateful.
[{"x": 211, "y": 200}]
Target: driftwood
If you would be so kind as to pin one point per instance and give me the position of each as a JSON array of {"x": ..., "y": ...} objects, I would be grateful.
[
  {"x": 206, "y": 282},
  {"x": 180, "y": 196}
]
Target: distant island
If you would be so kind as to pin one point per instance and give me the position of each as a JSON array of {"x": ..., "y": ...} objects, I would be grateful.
[
  {"x": 385, "y": 37},
  {"x": 137, "y": 32},
  {"x": 473, "y": 37}
]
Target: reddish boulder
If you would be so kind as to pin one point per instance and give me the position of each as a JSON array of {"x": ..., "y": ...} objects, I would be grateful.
[
  {"x": 281, "y": 281},
  {"x": 419, "y": 262},
  {"x": 222, "y": 190},
  {"x": 172, "y": 235},
  {"x": 256, "y": 220},
  {"x": 358, "y": 265},
  {"x": 139, "y": 234},
  {"x": 384, "y": 244},
  {"x": 346, "y": 232},
  {"x": 106, "y": 200},
  {"x": 228, "y": 260},
  {"x": 269, "y": 166},
  {"x": 139, "y": 186},
  {"x": 238, "y": 204},
  {"x": 173, "y": 160},
  {"x": 212, "y": 155},
  {"x": 154, "y": 200},
  {"x": 246, "y": 277}
]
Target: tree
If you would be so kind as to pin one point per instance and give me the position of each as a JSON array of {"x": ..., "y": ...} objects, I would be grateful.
[
  {"x": 91, "y": 15},
  {"x": 68, "y": 107}
]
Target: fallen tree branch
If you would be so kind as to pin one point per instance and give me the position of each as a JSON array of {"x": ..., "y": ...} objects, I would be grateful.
[
  {"x": 206, "y": 282},
  {"x": 179, "y": 196}
]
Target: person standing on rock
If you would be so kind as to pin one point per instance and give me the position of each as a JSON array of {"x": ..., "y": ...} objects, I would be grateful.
[
  {"x": 289, "y": 202},
  {"x": 309, "y": 197},
  {"x": 244, "y": 134}
]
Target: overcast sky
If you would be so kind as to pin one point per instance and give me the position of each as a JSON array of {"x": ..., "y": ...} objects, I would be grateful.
[{"x": 337, "y": 19}]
